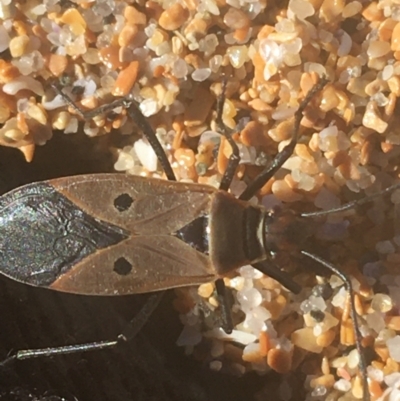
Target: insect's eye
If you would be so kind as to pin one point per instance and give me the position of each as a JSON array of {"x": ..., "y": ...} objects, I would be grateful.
[
  {"x": 123, "y": 202},
  {"x": 122, "y": 267}
]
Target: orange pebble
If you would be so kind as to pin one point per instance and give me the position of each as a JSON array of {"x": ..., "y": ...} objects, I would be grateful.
[
  {"x": 265, "y": 343},
  {"x": 126, "y": 79}
]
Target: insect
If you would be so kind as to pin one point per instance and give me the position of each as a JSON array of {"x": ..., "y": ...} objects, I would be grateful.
[{"x": 112, "y": 234}]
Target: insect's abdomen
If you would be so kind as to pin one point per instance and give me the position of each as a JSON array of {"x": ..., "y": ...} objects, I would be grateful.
[{"x": 235, "y": 233}]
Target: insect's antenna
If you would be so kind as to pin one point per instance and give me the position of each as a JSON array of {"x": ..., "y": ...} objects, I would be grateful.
[
  {"x": 353, "y": 204},
  {"x": 353, "y": 313},
  {"x": 136, "y": 115},
  {"x": 287, "y": 151},
  {"x": 134, "y": 326}
]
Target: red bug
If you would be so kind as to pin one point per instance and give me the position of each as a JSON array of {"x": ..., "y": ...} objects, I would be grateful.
[{"x": 111, "y": 234}]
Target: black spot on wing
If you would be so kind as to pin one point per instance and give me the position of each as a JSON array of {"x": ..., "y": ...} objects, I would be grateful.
[
  {"x": 122, "y": 267},
  {"x": 195, "y": 234},
  {"x": 123, "y": 202},
  {"x": 43, "y": 234}
]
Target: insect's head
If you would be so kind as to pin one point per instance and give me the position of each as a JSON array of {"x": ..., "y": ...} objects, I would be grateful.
[{"x": 285, "y": 231}]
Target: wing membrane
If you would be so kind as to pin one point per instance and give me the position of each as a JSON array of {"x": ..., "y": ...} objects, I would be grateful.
[{"x": 158, "y": 262}]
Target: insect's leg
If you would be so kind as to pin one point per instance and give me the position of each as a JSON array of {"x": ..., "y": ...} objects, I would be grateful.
[
  {"x": 234, "y": 158},
  {"x": 129, "y": 332},
  {"x": 89, "y": 114},
  {"x": 136, "y": 115},
  {"x": 279, "y": 275},
  {"x": 353, "y": 313},
  {"x": 136, "y": 324},
  {"x": 353, "y": 204},
  {"x": 226, "y": 180},
  {"x": 141, "y": 121},
  {"x": 225, "y": 306},
  {"x": 287, "y": 151}
]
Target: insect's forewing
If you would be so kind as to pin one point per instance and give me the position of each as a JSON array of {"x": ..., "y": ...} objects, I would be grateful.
[{"x": 104, "y": 234}]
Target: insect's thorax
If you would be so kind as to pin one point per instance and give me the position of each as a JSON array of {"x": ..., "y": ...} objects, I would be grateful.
[{"x": 235, "y": 233}]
